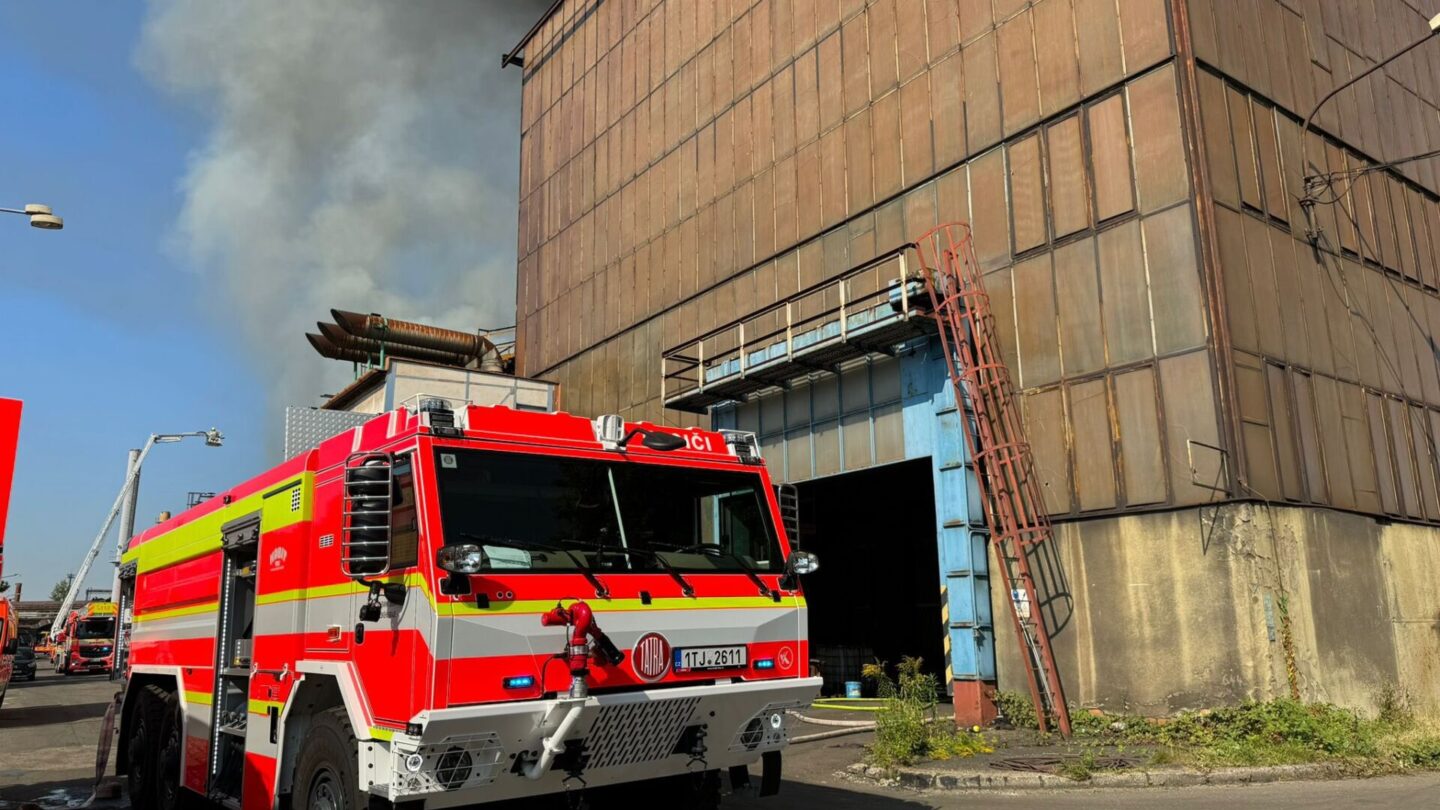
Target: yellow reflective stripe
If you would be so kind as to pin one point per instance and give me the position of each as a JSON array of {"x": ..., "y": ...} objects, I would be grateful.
[
  {"x": 524, "y": 606},
  {"x": 263, "y": 706},
  {"x": 382, "y": 733},
  {"x": 411, "y": 580},
  {"x": 171, "y": 613},
  {"x": 199, "y": 698},
  {"x": 527, "y": 606},
  {"x": 202, "y": 535}
]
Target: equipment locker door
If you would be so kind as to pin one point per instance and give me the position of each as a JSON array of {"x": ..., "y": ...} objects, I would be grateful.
[
  {"x": 235, "y": 634},
  {"x": 396, "y": 644}
]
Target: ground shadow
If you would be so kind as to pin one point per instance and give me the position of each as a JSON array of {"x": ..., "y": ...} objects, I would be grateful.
[
  {"x": 54, "y": 795},
  {"x": 1052, "y": 587},
  {"x": 793, "y": 796},
  {"x": 41, "y": 683},
  {"x": 50, "y": 714}
]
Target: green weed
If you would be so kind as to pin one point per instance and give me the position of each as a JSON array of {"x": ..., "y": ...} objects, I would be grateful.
[{"x": 908, "y": 728}]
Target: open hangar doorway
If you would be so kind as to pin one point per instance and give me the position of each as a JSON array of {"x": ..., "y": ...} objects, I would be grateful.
[{"x": 876, "y": 595}]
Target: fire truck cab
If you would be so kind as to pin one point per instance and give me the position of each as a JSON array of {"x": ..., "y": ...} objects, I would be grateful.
[
  {"x": 448, "y": 606},
  {"x": 89, "y": 640}
]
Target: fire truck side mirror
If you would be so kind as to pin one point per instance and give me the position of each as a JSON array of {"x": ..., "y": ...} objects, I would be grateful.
[{"x": 798, "y": 565}]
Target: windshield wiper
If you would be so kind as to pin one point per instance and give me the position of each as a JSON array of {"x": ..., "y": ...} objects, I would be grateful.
[
  {"x": 685, "y": 586},
  {"x": 716, "y": 551},
  {"x": 601, "y": 592}
]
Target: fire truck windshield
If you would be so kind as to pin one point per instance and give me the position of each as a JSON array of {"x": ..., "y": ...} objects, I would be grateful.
[
  {"x": 523, "y": 509},
  {"x": 91, "y": 629}
]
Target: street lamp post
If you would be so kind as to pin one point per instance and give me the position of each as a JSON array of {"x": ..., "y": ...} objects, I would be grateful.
[
  {"x": 40, "y": 216},
  {"x": 213, "y": 438},
  {"x": 130, "y": 494}
]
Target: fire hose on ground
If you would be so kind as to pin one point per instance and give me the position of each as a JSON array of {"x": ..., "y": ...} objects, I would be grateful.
[{"x": 839, "y": 728}]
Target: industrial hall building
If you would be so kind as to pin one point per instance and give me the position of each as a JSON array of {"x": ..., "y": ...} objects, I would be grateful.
[{"x": 1220, "y": 321}]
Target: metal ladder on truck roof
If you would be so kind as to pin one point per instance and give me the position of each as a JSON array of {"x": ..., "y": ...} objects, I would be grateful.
[{"x": 996, "y": 440}]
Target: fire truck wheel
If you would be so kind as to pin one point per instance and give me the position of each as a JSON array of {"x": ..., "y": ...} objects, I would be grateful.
[
  {"x": 325, "y": 777},
  {"x": 140, "y": 748},
  {"x": 169, "y": 795}
]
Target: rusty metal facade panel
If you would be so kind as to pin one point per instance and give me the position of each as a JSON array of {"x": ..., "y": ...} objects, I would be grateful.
[
  {"x": 1110, "y": 155},
  {"x": 1141, "y": 446},
  {"x": 1125, "y": 302},
  {"x": 1174, "y": 277},
  {"x": 1161, "y": 172},
  {"x": 1045, "y": 425},
  {"x": 1186, "y": 386},
  {"x": 1090, "y": 408},
  {"x": 1077, "y": 292},
  {"x": 1068, "y": 186}
]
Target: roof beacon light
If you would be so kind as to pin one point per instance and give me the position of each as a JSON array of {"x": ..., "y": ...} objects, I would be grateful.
[
  {"x": 609, "y": 430},
  {"x": 746, "y": 446}
]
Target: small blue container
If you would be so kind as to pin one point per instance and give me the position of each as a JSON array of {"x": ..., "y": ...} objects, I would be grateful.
[{"x": 852, "y": 689}]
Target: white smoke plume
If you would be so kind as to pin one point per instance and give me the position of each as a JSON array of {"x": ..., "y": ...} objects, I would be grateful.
[{"x": 361, "y": 154}]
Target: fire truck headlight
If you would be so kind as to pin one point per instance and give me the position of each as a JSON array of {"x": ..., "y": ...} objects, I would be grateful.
[
  {"x": 414, "y": 763},
  {"x": 467, "y": 558},
  {"x": 776, "y": 721}
]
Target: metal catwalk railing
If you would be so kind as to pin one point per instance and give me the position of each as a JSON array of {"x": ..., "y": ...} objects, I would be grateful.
[
  {"x": 865, "y": 310},
  {"x": 995, "y": 436}
]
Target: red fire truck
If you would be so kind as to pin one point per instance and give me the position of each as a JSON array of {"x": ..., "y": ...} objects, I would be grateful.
[
  {"x": 88, "y": 640},
  {"x": 9, "y": 644},
  {"x": 444, "y": 607}
]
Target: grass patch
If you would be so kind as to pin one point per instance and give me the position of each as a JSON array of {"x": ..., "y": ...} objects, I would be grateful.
[
  {"x": 1277, "y": 732},
  {"x": 908, "y": 728}
]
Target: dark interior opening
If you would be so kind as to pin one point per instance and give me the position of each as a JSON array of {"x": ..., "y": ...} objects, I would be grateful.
[{"x": 877, "y": 593}]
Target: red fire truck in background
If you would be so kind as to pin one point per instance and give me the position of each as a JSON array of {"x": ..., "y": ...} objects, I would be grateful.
[
  {"x": 449, "y": 606},
  {"x": 87, "y": 641},
  {"x": 9, "y": 644}
]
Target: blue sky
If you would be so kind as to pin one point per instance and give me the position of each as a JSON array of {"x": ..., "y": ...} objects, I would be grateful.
[
  {"x": 144, "y": 315},
  {"x": 105, "y": 342}
]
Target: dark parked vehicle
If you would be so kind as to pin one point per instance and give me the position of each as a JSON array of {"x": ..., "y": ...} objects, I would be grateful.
[{"x": 24, "y": 664}]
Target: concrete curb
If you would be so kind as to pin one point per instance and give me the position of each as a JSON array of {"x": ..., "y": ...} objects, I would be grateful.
[{"x": 968, "y": 780}]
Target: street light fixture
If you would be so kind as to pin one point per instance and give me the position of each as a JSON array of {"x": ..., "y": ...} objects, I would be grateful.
[{"x": 40, "y": 216}]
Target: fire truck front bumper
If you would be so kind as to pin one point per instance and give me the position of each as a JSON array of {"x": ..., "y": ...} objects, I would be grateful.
[
  {"x": 497, "y": 752},
  {"x": 83, "y": 663}
]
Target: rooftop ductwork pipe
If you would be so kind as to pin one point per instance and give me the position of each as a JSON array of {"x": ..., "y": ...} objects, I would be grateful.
[
  {"x": 326, "y": 348},
  {"x": 344, "y": 340},
  {"x": 355, "y": 350},
  {"x": 395, "y": 334}
]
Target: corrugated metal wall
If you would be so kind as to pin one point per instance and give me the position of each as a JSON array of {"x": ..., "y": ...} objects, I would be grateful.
[
  {"x": 1335, "y": 369},
  {"x": 688, "y": 163}
]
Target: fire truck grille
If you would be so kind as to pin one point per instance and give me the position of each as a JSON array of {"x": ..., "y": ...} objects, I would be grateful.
[{"x": 637, "y": 732}]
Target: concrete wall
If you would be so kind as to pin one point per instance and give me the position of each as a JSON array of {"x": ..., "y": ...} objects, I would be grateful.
[{"x": 1157, "y": 613}]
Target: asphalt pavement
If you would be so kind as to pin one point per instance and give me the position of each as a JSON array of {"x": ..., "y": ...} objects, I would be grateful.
[{"x": 49, "y": 729}]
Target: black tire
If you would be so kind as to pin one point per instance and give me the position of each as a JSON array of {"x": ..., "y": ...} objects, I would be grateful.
[
  {"x": 170, "y": 794},
  {"x": 140, "y": 747},
  {"x": 325, "y": 774}
]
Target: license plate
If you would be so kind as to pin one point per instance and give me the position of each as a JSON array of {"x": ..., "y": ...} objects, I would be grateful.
[{"x": 696, "y": 659}]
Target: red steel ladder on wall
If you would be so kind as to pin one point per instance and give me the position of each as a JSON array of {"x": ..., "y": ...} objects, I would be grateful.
[{"x": 1005, "y": 467}]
